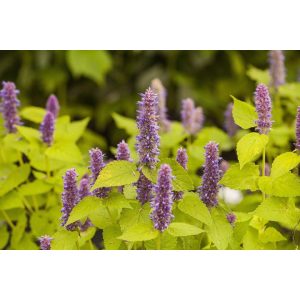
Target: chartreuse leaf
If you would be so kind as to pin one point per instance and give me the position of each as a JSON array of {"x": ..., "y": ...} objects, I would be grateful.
[
  {"x": 183, "y": 229},
  {"x": 174, "y": 136},
  {"x": 34, "y": 188},
  {"x": 194, "y": 207},
  {"x": 290, "y": 90},
  {"x": 84, "y": 208},
  {"x": 110, "y": 237},
  {"x": 33, "y": 114},
  {"x": 251, "y": 240},
  {"x": 279, "y": 210},
  {"x": 167, "y": 242},
  {"x": 4, "y": 236},
  {"x": 241, "y": 179},
  {"x": 64, "y": 151},
  {"x": 64, "y": 240},
  {"x": 283, "y": 163},
  {"x": 11, "y": 200},
  {"x": 219, "y": 231},
  {"x": 250, "y": 146},
  {"x": 117, "y": 173},
  {"x": 14, "y": 179},
  {"x": 139, "y": 232},
  {"x": 41, "y": 223},
  {"x": 30, "y": 134},
  {"x": 93, "y": 64},
  {"x": 129, "y": 191},
  {"x": 129, "y": 125},
  {"x": 244, "y": 114},
  {"x": 287, "y": 185},
  {"x": 271, "y": 235},
  {"x": 261, "y": 76},
  {"x": 116, "y": 201}
]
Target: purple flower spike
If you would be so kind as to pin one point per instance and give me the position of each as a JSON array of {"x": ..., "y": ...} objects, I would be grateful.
[
  {"x": 123, "y": 152},
  {"x": 160, "y": 90},
  {"x": 161, "y": 214},
  {"x": 84, "y": 188},
  {"x": 277, "y": 68},
  {"x": 211, "y": 176},
  {"x": 144, "y": 189},
  {"x": 45, "y": 242},
  {"x": 192, "y": 117},
  {"x": 70, "y": 197},
  {"x": 96, "y": 165},
  {"x": 182, "y": 159},
  {"x": 53, "y": 105},
  {"x": 47, "y": 128},
  {"x": 231, "y": 218},
  {"x": 9, "y": 106},
  {"x": 263, "y": 108},
  {"x": 298, "y": 129},
  {"x": 147, "y": 122},
  {"x": 229, "y": 125}
]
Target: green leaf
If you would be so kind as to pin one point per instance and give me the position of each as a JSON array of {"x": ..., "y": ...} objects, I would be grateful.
[
  {"x": 117, "y": 173},
  {"x": 183, "y": 229},
  {"x": 250, "y": 146},
  {"x": 173, "y": 137},
  {"x": 14, "y": 179},
  {"x": 194, "y": 207},
  {"x": 244, "y": 114},
  {"x": 220, "y": 231},
  {"x": 110, "y": 237},
  {"x": 260, "y": 76},
  {"x": 4, "y": 236},
  {"x": 129, "y": 191},
  {"x": 241, "y": 179},
  {"x": 93, "y": 64},
  {"x": 101, "y": 218},
  {"x": 84, "y": 208},
  {"x": 284, "y": 163},
  {"x": 139, "y": 232},
  {"x": 271, "y": 235},
  {"x": 251, "y": 240},
  {"x": 290, "y": 90},
  {"x": 287, "y": 185},
  {"x": 30, "y": 134},
  {"x": 67, "y": 152},
  {"x": 34, "y": 188},
  {"x": 64, "y": 240},
  {"x": 11, "y": 200},
  {"x": 116, "y": 201},
  {"x": 129, "y": 125},
  {"x": 33, "y": 114},
  {"x": 167, "y": 242},
  {"x": 41, "y": 224}
]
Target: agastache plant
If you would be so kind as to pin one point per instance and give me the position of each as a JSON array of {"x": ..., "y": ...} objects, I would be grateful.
[
  {"x": 47, "y": 128},
  {"x": 161, "y": 214},
  {"x": 263, "y": 106},
  {"x": 159, "y": 89},
  {"x": 45, "y": 242},
  {"x": 229, "y": 124},
  {"x": 298, "y": 129},
  {"x": 123, "y": 152},
  {"x": 182, "y": 159},
  {"x": 9, "y": 106},
  {"x": 211, "y": 176},
  {"x": 277, "y": 68},
  {"x": 53, "y": 105}
]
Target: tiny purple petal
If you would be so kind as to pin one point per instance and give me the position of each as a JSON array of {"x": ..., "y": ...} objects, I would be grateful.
[
  {"x": 123, "y": 152},
  {"x": 45, "y": 242},
  {"x": 231, "y": 218},
  {"x": 53, "y": 105},
  {"x": 47, "y": 128}
]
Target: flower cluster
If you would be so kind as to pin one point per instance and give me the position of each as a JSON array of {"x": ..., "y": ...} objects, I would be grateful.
[
  {"x": 229, "y": 124},
  {"x": 9, "y": 106},
  {"x": 182, "y": 159},
  {"x": 161, "y": 214},
  {"x": 53, "y": 105},
  {"x": 277, "y": 68},
  {"x": 45, "y": 242},
  {"x": 147, "y": 122},
  {"x": 263, "y": 108},
  {"x": 144, "y": 190},
  {"x": 123, "y": 152},
  {"x": 192, "y": 118},
  {"x": 211, "y": 176},
  {"x": 47, "y": 128}
]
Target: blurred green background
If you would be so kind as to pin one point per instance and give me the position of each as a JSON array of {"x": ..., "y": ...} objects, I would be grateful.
[{"x": 97, "y": 83}]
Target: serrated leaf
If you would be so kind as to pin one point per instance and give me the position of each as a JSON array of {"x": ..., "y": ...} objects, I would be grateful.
[
  {"x": 64, "y": 151},
  {"x": 244, "y": 114},
  {"x": 11, "y": 200},
  {"x": 116, "y": 201},
  {"x": 110, "y": 237},
  {"x": 241, "y": 179},
  {"x": 271, "y": 235},
  {"x": 33, "y": 114},
  {"x": 260, "y": 76},
  {"x": 34, "y": 188},
  {"x": 167, "y": 242},
  {"x": 173, "y": 137},
  {"x": 129, "y": 125},
  {"x": 139, "y": 232},
  {"x": 64, "y": 240},
  {"x": 194, "y": 207},
  {"x": 183, "y": 229},
  {"x": 250, "y": 146},
  {"x": 283, "y": 163},
  {"x": 117, "y": 173}
]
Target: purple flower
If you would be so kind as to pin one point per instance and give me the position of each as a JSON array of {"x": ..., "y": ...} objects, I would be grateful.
[
  {"x": 159, "y": 89},
  {"x": 211, "y": 176},
  {"x": 45, "y": 242},
  {"x": 277, "y": 68},
  {"x": 224, "y": 166},
  {"x": 9, "y": 106},
  {"x": 53, "y": 105},
  {"x": 263, "y": 108},
  {"x": 229, "y": 125},
  {"x": 298, "y": 129},
  {"x": 231, "y": 218},
  {"x": 123, "y": 152},
  {"x": 70, "y": 197},
  {"x": 47, "y": 128},
  {"x": 84, "y": 188},
  {"x": 161, "y": 214},
  {"x": 182, "y": 159},
  {"x": 144, "y": 189},
  {"x": 192, "y": 117},
  {"x": 96, "y": 165},
  {"x": 148, "y": 139}
]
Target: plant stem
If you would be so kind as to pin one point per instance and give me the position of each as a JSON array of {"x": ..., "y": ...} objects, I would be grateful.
[{"x": 8, "y": 220}]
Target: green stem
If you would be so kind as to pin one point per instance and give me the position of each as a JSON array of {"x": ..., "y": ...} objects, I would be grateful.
[{"x": 7, "y": 219}]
